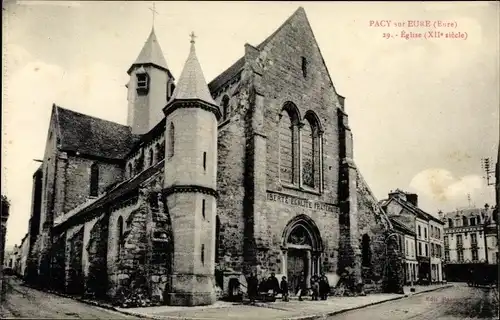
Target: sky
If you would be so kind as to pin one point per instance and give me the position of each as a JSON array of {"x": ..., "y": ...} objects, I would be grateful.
[{"x": 423, "y": 112}]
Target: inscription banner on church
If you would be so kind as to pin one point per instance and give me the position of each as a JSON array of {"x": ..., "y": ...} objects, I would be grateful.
[{"x": 300, "y": 202}]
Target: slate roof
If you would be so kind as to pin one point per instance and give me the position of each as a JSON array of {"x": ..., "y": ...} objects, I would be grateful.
[
  {"x": 399, "y": 225},
  {"x": 93, "y": 136},
  {"x": 236, "y": 67},
  {"x": 151, "y": 53},
  {"x": 415, "y": 210},
  {"x": 468, "y": 212},
  {"x": 192, "y": 83}
]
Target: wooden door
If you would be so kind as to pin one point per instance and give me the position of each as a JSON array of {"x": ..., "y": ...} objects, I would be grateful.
[{"x": 296, "y": 265}]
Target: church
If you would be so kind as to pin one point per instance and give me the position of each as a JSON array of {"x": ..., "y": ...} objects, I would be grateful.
[{"x": 252, "y": 172}]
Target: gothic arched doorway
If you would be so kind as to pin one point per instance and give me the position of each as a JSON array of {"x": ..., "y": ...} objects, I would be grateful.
[{"x": 302, "y": 247}]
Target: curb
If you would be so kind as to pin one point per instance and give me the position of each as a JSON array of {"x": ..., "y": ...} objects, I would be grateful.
[
  {"x": 165, "y": 317},
  {"x": 329, "y": 314},
  {"x": 86, "y": 301}
]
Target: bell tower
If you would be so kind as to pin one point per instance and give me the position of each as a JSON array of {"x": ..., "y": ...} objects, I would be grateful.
[
  {"x": 190, "y": 185},
  {"x": 149, "y": 88}
]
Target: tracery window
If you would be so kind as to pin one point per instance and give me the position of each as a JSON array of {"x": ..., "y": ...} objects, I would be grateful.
[
  {"x": 289, "y": 144},
  {"x": 311, "y": 162}
]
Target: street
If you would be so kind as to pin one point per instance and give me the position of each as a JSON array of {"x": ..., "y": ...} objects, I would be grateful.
[
  {"x": 459, "y": 302},
  {"x": 24, "y": 302}
]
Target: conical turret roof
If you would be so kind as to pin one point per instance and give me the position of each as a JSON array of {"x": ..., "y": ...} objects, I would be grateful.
[
  {"x": 151, "y": 53},
  {"x": 192, "y": 84}
]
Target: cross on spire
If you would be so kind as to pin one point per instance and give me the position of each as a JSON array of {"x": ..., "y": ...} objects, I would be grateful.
[
  {"x": 192, "y": 35},
  {"x": 153, "y": 11}
]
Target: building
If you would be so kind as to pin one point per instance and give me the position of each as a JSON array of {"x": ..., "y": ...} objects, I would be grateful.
[
  {"x": 253, "y": 172},
  {"x": 406, "y": 240},
  {"x": 4, "y": 215},
  {"x": 22, "y": 257},
  {"x": 470, "y": 242},
  {"x": 429, "y": 230}
]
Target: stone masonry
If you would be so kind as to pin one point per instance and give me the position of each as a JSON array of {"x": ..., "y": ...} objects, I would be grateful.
[{"x": 253, "y": 172}]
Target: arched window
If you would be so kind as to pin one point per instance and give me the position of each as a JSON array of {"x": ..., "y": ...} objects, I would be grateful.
[
  {"x": 94, "y": 180},
  {"x": 311, "y": 151},
  {"x": 464, "y": 221},
  {"x": 151, "y": 157},
  {"x": 288, "y": 144},
  {"x": 119, "y": 237},
  {"x": 171, "y": 139},
  {"x": 366, "y": 251},
  {"x": 225, "y": 107}
]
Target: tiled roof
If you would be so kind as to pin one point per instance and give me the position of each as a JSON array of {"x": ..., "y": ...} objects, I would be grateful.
[
  {"x": 192, "y": 83},
  {"x": 93, "y": 136},
  {"x": 151, "y": 53},
  {"x": 236, "y": 67},
  {"x": 227, "y": 75}
]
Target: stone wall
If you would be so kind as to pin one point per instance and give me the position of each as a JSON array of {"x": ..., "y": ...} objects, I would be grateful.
[
  {"x": 119, "y": 261},
  {"x": 58, "y": 263},
  {"x": 374, "y": 223},
  {"x": 230, "y": 185},
  {"x": 74, "y": 267},
  {"x": 76, "y": 175},
  {"x": 96, "y": 273}
]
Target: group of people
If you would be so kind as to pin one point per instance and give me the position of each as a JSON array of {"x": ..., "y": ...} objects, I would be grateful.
[{"x": 270, "y": 287}]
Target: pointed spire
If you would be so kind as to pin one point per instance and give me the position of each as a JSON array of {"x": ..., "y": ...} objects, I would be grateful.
[
  {"x": 192, "y": 84},
  {"x": 151, "y": 53}
]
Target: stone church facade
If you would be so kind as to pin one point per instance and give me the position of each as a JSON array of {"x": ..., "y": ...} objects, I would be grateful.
[{"x": 252, "y": 172}]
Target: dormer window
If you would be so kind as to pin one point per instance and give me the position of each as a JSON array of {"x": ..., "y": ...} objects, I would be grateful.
[{"x": 142, "y": 81}]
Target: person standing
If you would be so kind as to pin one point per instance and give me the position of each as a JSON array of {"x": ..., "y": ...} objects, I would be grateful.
[
  {"x": 284, "y": 288},
  {"x": 315, "y": 287},
  {"x": 273, "y": 284},
  {"x": 252, "y": 287},
  {"x": 302, "y": 286},
  {"x": 324, "y": 287}
]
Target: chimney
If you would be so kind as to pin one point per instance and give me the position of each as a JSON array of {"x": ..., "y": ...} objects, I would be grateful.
[
  {"x": 398, "y": 194},
  {"x": 412, "y": 198},
  {"x": 441, "y": 215}
]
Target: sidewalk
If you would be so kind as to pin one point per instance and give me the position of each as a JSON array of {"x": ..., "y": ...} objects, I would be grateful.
[{"x": 296, "y": 310}]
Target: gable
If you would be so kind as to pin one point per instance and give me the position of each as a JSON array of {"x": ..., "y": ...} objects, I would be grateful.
[
  {"x": 93, "y": 136},
  {"x": 293, "y": 41},
  {"x": 307, "y": 45}
]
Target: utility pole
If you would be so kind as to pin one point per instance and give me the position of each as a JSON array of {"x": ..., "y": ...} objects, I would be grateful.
[{"x": 488, "y": 171}]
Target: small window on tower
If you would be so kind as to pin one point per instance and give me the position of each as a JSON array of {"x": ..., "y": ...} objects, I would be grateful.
[
  {"x": 304, "y": 67},
  {"x": 142, "y": 82}
]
